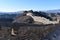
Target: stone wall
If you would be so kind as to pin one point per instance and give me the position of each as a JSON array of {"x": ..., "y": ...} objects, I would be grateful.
[{"x": 43, "y": 19}]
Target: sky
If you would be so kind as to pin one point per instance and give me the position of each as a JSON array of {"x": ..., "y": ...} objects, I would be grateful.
[{"x": 37, "y": 5}]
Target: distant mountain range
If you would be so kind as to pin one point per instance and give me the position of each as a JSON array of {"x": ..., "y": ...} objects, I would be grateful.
[
  {"x": 53, "y": 11},
  {"x": 14, "y": 14},
  {"x": 19, "y": 12}
]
